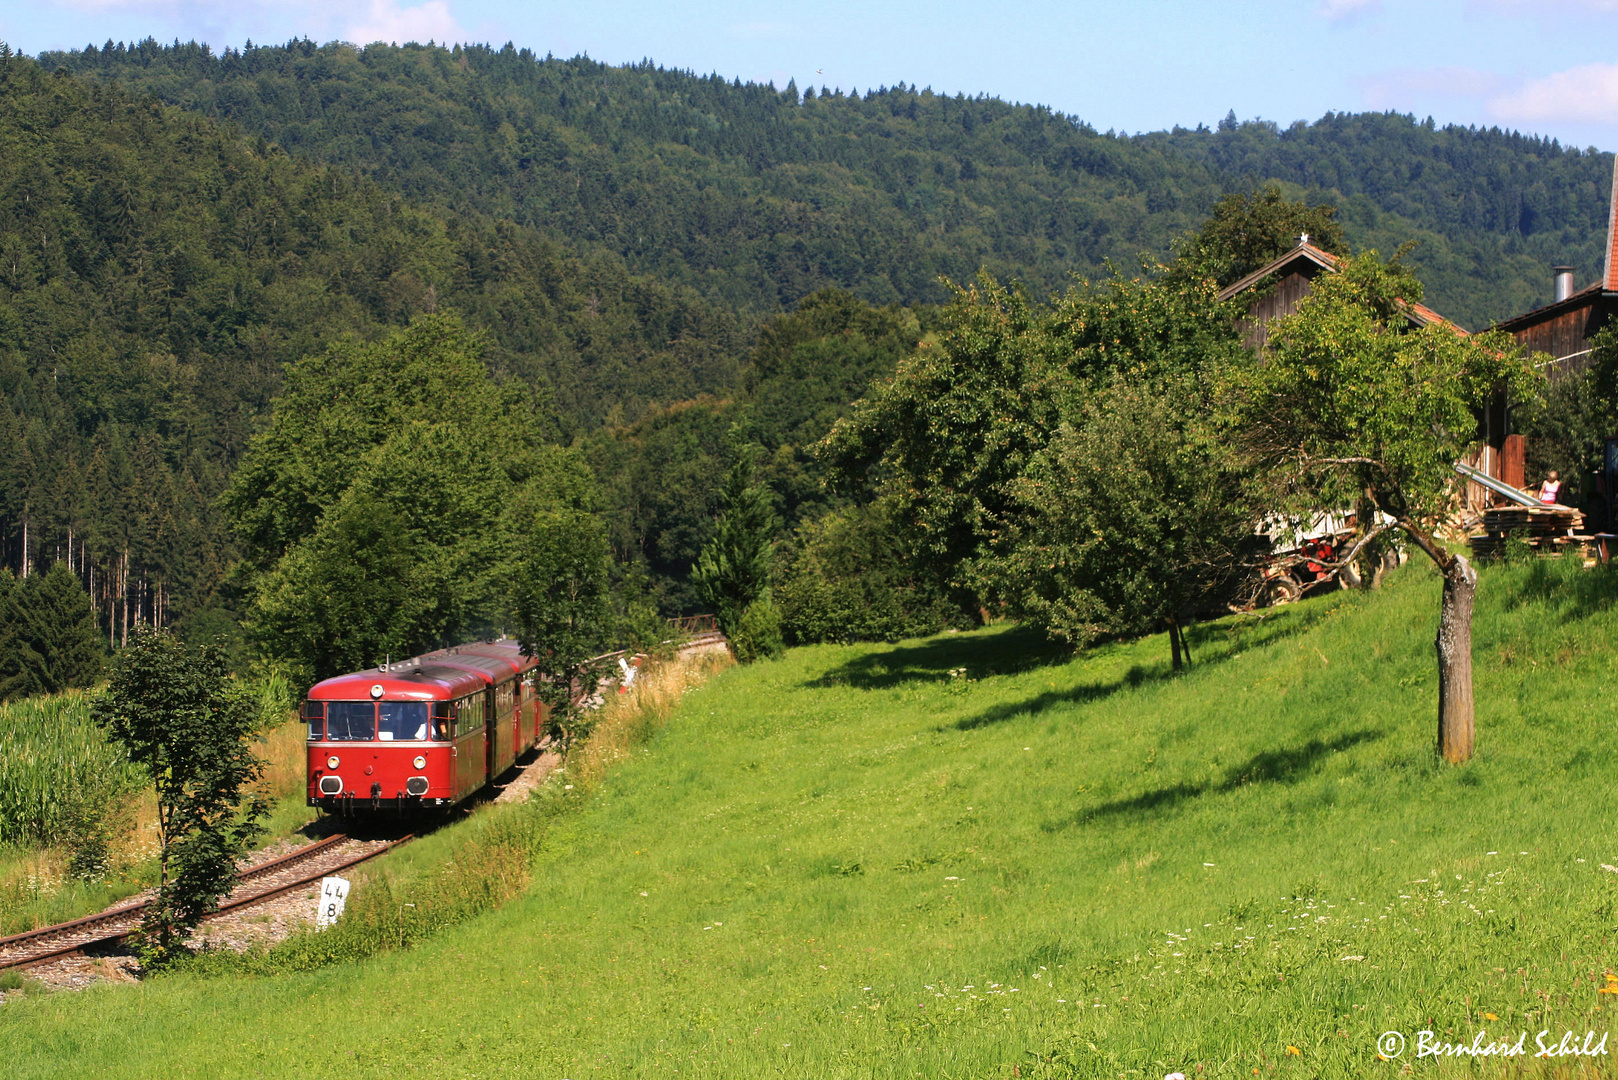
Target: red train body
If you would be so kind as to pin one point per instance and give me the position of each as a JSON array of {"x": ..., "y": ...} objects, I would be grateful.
[{"x": 427, "y": 732}]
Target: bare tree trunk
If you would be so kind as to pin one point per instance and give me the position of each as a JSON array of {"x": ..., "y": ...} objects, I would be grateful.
[
  {"x": 1174, "y": 642},
  {"x": 1454, "y": 643}
]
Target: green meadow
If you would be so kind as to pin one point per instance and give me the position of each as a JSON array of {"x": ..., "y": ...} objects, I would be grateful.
[{"x": 864, "y": 862}]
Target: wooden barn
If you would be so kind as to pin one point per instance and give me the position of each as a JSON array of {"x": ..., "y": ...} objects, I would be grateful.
[
  {"x": 1279, "y": 287},
  {"x": 1290, "y": 277},
  {"x": 1563, "y": 328}
]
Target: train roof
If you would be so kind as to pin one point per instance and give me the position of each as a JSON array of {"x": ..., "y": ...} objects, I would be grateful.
[{"x": 435, "y": 676}]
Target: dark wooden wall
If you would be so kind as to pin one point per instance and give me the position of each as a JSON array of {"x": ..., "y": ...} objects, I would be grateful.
[
  {"x": 1282, "y": 299},
  {"x": 1567, "y": 334}
]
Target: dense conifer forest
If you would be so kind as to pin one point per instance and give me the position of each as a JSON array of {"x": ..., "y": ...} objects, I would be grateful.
[
  {"x": 157, "y": 271},
  {"x": 677, "y": 264},
  {"x": 757, "y": 197}
]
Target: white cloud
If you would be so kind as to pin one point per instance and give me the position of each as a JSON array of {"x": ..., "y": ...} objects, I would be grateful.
[
  {"x": 1337, "y": 10},
  {"x": 1587, "y": 94},
  {"x": 388, "y": 21}
]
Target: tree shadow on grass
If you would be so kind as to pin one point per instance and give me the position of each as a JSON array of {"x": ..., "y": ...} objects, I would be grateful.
[
  {"x": 1020, "y": 648},
  {"x": 1073, "y": 695},
  {"x": 1270, "y": 767},
  {"x": 1023, "y": 648},
  {"x": 1211, "y": 643}
]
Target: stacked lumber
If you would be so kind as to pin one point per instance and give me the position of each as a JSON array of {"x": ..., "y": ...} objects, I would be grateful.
[
  {"x": 1534, "y": 520},
  {"x": 1546, "y": 528}
]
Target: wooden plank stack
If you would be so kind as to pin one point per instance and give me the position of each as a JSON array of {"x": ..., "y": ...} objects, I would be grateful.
[{"x": 1547, "y": 529}]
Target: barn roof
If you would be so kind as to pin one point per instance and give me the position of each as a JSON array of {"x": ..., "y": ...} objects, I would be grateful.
[
  {"x": 1305, "y": 258},
  {"x": 1609, "y": 273},
  {"x": 1310, "y": 261}
]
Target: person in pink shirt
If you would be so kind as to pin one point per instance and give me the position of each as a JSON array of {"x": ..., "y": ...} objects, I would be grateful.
[{"x": 1551, "y": 489}]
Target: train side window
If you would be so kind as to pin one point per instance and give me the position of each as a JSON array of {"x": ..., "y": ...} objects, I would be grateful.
[
  {"x": 313, "y": 713},
  {"x": 443, "y": 720},
  {"x": 470, "y": 714}
]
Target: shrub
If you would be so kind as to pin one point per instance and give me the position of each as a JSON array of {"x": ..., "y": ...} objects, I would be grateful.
[
  {"x": 844, "y": 578},
  {"x": 758, "y": 632}
]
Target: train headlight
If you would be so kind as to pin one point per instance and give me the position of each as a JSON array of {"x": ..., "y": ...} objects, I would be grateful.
[
  {"x": 420, "y": 762},
  {"x": 332, "y": 762}
]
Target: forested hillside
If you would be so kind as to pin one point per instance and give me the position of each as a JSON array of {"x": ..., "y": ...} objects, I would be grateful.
[
  {"x": 631, "y": 241},
  {"x": 158, "y": 270},
  {"x": 757, "y": 198}
]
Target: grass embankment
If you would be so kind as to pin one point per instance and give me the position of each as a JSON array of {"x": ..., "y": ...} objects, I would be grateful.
[
  {"x": 854, "y": 863},
  {"x": 78, "y": 823},
  {"x": 468, "y": 867}
]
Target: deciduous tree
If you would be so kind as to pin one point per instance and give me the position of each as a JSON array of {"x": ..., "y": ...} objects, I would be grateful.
[
  {"x": 1357, "y": 401},
  {"x": 185, "y": 721},
  {"x": 558, "y": 572},
  {"x": 1136, "y": 512},
  {"x": 1248, "y": 229}
]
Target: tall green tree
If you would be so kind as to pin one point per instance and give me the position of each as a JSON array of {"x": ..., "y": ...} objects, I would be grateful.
[
  {"x": 1249, "y": 228},
  {"x": 371, "y": 510},
  {"x": 183, "y": 719},
  {"x": 558, "y": 573},
  {"x": 1137, "y": 512},
  {"x": 733, "y": 571},
  {"x": 48, "y": 636},
  {"x": 845, "y": 576},
  {"x": 953, "y": 438},
  {"x": 1353, "y": 403},
  {"x": 948, "y": 435}
]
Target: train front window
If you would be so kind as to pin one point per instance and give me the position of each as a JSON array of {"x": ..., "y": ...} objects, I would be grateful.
[
  {"x": 402, "y": 720},
  {"x": 350, "y": 721}
]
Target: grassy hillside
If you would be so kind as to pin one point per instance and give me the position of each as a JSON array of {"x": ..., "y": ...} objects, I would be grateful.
[{"x": 860, "y": 862}]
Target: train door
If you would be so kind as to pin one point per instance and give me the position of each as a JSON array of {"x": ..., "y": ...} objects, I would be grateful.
[
  {"x": 506, "y": 712},
  {"x": 471, "y": 746},
  {"x": 528, "y": 714}
]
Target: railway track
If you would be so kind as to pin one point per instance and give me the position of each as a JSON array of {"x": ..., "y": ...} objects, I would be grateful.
[{"x": 254, "y": 885}]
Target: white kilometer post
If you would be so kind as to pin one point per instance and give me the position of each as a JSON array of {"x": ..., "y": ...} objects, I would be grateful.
[{"x": 333, "y": 895}]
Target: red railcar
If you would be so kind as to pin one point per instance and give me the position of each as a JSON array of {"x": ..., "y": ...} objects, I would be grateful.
[{"x": 429, "y": 731}]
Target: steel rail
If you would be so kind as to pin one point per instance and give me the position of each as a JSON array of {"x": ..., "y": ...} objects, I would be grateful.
[{"x": 303, "y": 854}]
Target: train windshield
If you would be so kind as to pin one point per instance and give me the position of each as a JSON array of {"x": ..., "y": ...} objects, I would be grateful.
[
  {"x": 405, "y": 720},
  {"x": 350, "y": 721}
]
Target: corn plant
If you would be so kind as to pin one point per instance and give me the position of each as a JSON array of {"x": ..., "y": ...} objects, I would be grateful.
[{"x": 62, "y": 781}]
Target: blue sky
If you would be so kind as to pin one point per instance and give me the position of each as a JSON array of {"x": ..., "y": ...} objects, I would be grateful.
[{"x": 1544, "y": 66}]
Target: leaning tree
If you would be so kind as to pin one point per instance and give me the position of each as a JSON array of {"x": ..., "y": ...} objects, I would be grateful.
[{"x": 1363, "y": 399}]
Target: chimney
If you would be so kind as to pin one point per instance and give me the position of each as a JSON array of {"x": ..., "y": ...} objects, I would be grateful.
[{"x": 1564, "y": 282}]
